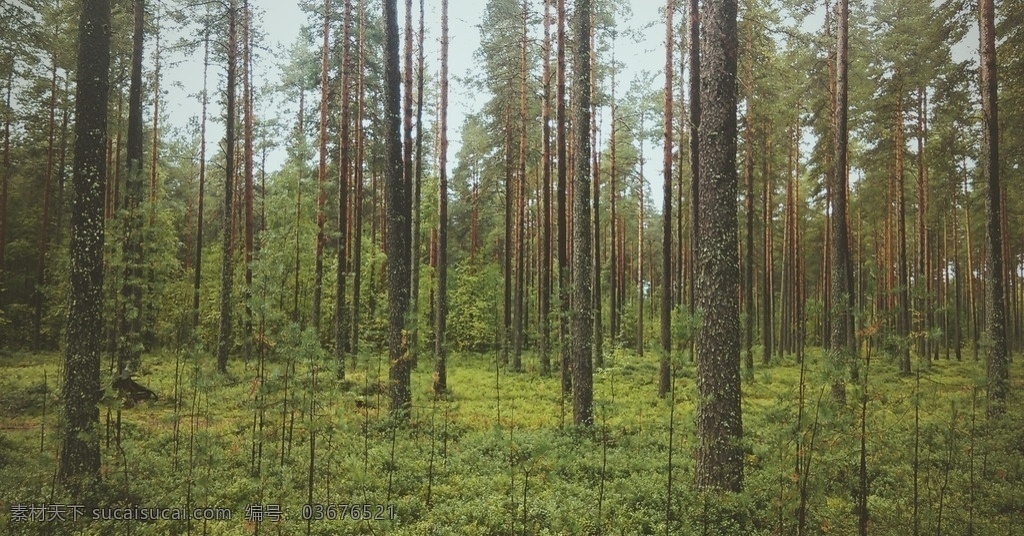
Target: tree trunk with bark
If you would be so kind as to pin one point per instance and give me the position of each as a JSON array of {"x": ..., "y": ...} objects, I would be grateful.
[
  {"x": 224, "y": 338},
  {"x": 582, "y": 305},
  {"x": 78, "y": 468},
  {"x": 997, "y": 365},
  {"x": 441, "y": 295},
  {"x": 397, "y": 245},
  {"x": 719, "y": 415},
  {"x": 665, "y": 369},
  {"x": 842, "y": 349}
]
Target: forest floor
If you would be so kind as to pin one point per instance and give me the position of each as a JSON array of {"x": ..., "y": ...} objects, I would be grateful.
[{"x": 498, "y": 455}]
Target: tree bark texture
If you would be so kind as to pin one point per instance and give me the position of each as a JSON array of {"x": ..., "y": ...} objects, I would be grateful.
[
  {"x": 79, "y": 453},
  {"x": 719, "y": 417}
]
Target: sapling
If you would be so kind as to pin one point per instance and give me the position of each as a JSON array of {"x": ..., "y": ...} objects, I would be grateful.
[
  {"x": 433, "y": 438},
  {"x": 917, "y": 450}
]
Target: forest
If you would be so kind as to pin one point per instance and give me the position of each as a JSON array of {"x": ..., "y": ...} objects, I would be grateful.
[{"x": 765, "y": 278}]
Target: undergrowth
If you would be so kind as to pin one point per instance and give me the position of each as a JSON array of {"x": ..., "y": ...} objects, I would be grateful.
[{"x": 498, "y": 455}]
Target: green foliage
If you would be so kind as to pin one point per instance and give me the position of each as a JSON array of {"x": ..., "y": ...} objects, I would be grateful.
[
  {"x": 474, "y": 297},
  {"x": 477, "y": 465}
]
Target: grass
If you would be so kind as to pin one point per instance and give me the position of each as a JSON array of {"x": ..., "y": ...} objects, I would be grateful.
[{"x": 498, "y": 455}]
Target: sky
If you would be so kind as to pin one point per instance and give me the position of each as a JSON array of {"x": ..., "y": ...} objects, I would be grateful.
[{"x": 282, "y": 21}]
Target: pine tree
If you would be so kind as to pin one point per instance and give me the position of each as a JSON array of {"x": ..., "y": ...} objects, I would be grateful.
[
  {"x": 719, "y": 417},
  {"x": 398, "y": 216},
  {"x": 582, "y": 324},
  {"x": 79, "y": 455},
  {"x": 997, "y": 362}
]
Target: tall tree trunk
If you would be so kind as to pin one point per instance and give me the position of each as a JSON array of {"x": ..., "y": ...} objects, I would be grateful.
[
  {"x": 595, "y": 169},
  {"x": 508, "y": 242},
  {"x": 544, "y": 289},
  {"x": 224, "y": 339},
  {"x": 358, "y": 204},
  {"x": 842, "y": 347},
  {"x": 3, "y": 190},
  {"x": 341, "y": 322},
  {"x": 198, "y": 275},
  {"x": 997, "y": 364},
  {"x": 665, "y": 372},
  {"x": 615, "y": 307},
  {"x": 719, "y": 415},
  {"x": 903, "y": 319},
  {"x": 768, "y": 273},
  {"x": 38, "y": 295},
  {"x": 922, "y": 268},
  {"x": 415, "y": 175},
  {"x": 563, "y": 220},
  {"x": 321, "y": 217},
  {"x": 582, "y": 304},
  {"x": 640, "y": 220},
  {"x": 247, "y": 149},
  {"x": 130, "y": 350},
  {"x": 520, "y": 206},
  {"x": 78, "y": 469},
  {"x": 441, "y": 295},
  {"x": 748, "y": 252},
  {"x": 397, "y": 245},
  {"x": 695, "y": 113}
]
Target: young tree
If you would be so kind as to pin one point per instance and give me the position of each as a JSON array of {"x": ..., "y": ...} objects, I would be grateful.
[
  {"x": 719, "y": 417},
  {"x": 997, "y": 362},
  {"x": 79, "y": 466},
  {"x": 398, "y": 215},
  {"x": 582, "y": 300}
]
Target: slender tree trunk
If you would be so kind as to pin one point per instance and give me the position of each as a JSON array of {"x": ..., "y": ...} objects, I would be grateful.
[
  {"x": 321, "y": 217},
  {"x": 520, "y": 207},
  {"x": 595, "y": 168},
  {"x": 748, "y": 252},
  {"x": 79, "y": 454},
  {"x": 341, "y": 322},
  {"x": 665, "y": 372},
  {"x": 130, "y": 328},
  {"x": 563, "y": 220},
  {"x": 38, "y": 296},
  {"x": 842, "y": 347},
  {"x": 247, "y": 149},
  {"x": 997, "y": 363},
  {"x": 768, "y": 274},
  {"x": 415, "y": 177},
  {"x": 441, "y": 295},
  {"x": 922, "y": 268},
  {"x": 198, "y": 275},
  {"x": 615, "y": 307},
  {"x": 903, "y": 323},
  {"x": 3, "y": 190},
  {"x": 971, "y": 288},
  {"x": 640, "y": 220},
  {"x": 398, "y": 215},
  {"x": 695, "y": 113},
  {"x": 582, "y": 304},
  {"x": 224, "y": 339},
  {"x": 544, "y": 289},
  {"x": 719, "y": 415},
  {"x": 358, "y": 175}
]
